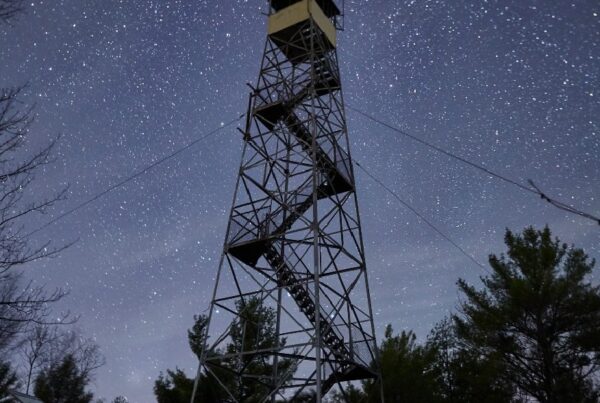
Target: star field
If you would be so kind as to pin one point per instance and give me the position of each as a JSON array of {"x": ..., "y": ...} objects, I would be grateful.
[{"x": 512, "y": 85}]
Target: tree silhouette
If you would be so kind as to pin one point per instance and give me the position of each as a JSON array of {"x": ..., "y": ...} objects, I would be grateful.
[
  {"x": 63, "y": 383},
  {"x": 9, "y": 9},
  {"x": 406, "y": 368},
  {"x": 8, "y": 379},
  {"x": 462, "y": 375},
  {"x": 21, "y": 303},
  {"x": 539, "y": 315},
  {"x": 253, "y": 330}
]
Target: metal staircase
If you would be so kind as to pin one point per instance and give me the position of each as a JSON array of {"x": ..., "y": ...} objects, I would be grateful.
[{"x": 335, "y": 179}]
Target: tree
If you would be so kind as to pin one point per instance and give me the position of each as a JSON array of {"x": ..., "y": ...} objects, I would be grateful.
[
  {"x": 63, "y": 383},
  {"x": 539, "y": 315},
  {"x": 350, "y": 394},
  {"x": 8, "y": 379},
  {"x": 20, "y": 303},
  {"x": 309, "y": 396},
  {"x": 254, "y": 330},
  {"x": 461, "y": 374},
  {"x": 120, "y": 399},
  {"x": 442, "y": 370},
  {"x": 209, "y": 389},
  {"x": 9, "y": 9},
  {"x": 85, "y": 352},
  {"x": 46, "y": 346},
  {"x": 406, "y": 369},
  {"x": 33, "y": 351},
  {"x": 197, "y": 335},
  {"x": 175, "y": 387}
]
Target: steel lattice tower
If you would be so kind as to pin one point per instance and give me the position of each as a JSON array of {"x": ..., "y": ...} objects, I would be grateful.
[{"x": 294, "y": 245}]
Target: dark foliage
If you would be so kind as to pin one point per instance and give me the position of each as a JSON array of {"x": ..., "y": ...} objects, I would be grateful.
[
  {"x": 46, "y": 346},
  {"x": 197, "y": 335},
  {"x": 254, "y": 330},
  {"x": 8, "y": 379},
  {"x": 531, "y": 334},
  {"x": 463, "y": 376},
  {"x": 539, "y": 316},
  {"x": 175, "y": 387},
  {"x": 63, "y": 383},
  {"x": 10, "y": 9},
  {"x": 406, "y": 368}
]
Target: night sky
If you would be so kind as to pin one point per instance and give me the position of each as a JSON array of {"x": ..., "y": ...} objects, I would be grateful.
[{"x": 512, "y": 85}]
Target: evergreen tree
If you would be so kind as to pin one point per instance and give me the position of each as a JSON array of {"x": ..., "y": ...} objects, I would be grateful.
[
  {"x": 350, "y": 394},
  {"x": 406, "y": 368},
  {"x": 196, "y": 335},
  {"x": 175, "y": 387},
  {"x": 462, "y": 375},
  {"x": 63, "y": 383},
  {"x": 539, "y": 316},
  {"x": 254, "y": 330},
  {"x": 8, "y": 379},
  {"x": 209, "y": 389}
]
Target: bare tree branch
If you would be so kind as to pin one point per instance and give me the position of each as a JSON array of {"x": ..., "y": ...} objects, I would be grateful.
[
  {"x": 9, "y": 9},
  {"x": 21, "y": 304},
  {"x": 47, "y": 346}
]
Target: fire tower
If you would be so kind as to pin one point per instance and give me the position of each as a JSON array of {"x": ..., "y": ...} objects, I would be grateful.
[{"x": 291, "y": 314}]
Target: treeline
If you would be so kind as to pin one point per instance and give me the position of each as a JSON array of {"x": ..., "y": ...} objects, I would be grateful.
[
  {"x": 530, "y": 333},
  {"x": 52, "y": 362}
]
